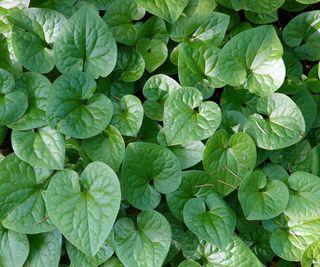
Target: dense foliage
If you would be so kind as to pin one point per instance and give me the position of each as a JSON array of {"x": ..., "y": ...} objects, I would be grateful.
[{"x": 148, "y": 133}]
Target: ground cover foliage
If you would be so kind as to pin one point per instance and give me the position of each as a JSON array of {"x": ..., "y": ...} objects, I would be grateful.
[{"x": 159, "y": 133}]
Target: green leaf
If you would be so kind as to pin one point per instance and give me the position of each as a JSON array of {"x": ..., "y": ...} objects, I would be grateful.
[
  {"x": 154, "y": 28},
  {"x": 197, "y": 66},
  {"x": 229, "y": 159},
  {"x": 78, "y": 258},
  {"x": 94, "y": 52},
  {"x": 156, "y": 91},
  {"x": 44, "y": 148},
  {"x": 189, "y": 263},
  {"x": 304, "y": 201},
  {"x": 211, "y": 219},
  {"x": 73, "y": 107},
  {"x": 196, "y": 12},
  {"x": 45, "y": 249},
  {"x": 261, "y": 18},
  {"x": 278, "y": 124},
  {"x": 144, "y": 244},
  {"x": 252, "y": 59},
  {"x": 236, "y": 254},
  {"x": 13, "y": 103},
  {"x": 154, "y": 52},
  {"x": 262, "y": 6},
  {"x": 107, "y": 147},
  {"x": 39, "y": 27},
  {"x": 14, "y": 248},
  {"x": 166, "y": 9},
  {"x": 35, "y": 86},
  {"x": 112, "y": 262},
  {"x": 84, "y": 208},
  {"x": 148, "y": 170},
  {"x": 213, "y": 29},
  {"x": 130, "y": 63},
  {"x": 120, "y": 16},
  {"x": 262, "y": 199},
  {"x": 311, "y": 256},
  {"x": 194, "y": 183},
  {"x": 22, "y": 208},
  {"x": 291, "y": 241},
  {"x": 182, "y": 123},
  {"x": 128, "y": 115},
  {"x": 302, "y": 33}
]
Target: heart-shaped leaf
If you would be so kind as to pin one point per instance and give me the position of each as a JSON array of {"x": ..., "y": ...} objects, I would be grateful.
[
  {"x": 166, "y": 9},
  {"x": 182, "y": 123},
  {"x": 279, "y": 123},
  {"x": 84, "y": 209},
  {"x": 22, "y": 208},
  {"x": 74, "y": 109},
  {"x": 229, "y": 159},
  {"x": 44, "y": 148},
  {"x": 13, "y": 103},
  {"x": 108, "y": 147},
  {"x": 211, "y": 219},
  {"x": 36, "y": 87},
  {"x": 311, "y": 255},
  {"x": 148, "y": 170},
  {"x": 128, "y": 115},
  {"x": 145, "y": 244},
  {"x": 39, "y": 27},
  {"x": 304, "y": 201},
  {"x": 262, "y": 199},
  {"x": 78, "y": 52},
  {"x": 263, "y": 6},
  {"x": 193, "y": 184},
  {"x": 120, "y": 16},
  {"x": 15, "y": 248},
  {"x": 45, "y": 249},
  {"x": 252, "y": 59},
  {"x": 302, "y": 33},
  {"x": 156, "y": 90}
]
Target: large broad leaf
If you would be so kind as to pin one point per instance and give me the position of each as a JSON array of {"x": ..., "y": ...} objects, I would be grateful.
[
  {"x": 211, "y": 219},
  {"x": 156, "y": 90},
  {"x": 91, "y": 51},
  {"x": 147, "y": 171},
  {"x": 236, "y": 254},
  {"x": 311, "y": 256},
  {"x": 186, "y": 118},
  {"x": 44, "y": 148},
  {"x": 120, "y": 16},
  {"x": 14, "y": 3},
  {"x": 304, "y": 201},
  {"x": 36, "y": 87},
  {"x": 252, "y": 59},
  {"x": 229, "y": 159},
  {"x": 303, "y": 33},
  {"x": 290, "y": 241},
  {"x": 39, "y": 27},
  {"x": 144, "y": 244},
  {"x": 107, "y": 147},
  {"x": 193, "y": 184},
  {"x": 78, "y": 258},
  {"x": 262, "y": 199},
  {"x": 73, "y": 107},
  {"x": 197, "y": 66},
  {"x": 13, "y": 103},
  {"x": 167, "y": 9},
  {"x": 130, "y": 64},
  {"x": 153, "y": 51},
  {"x": 45, "y": 249},
  {"x": 84, "y": 208},
  {"x": 154, "y": 28},
  {"x": 213, "y": 29},
  {"x": 14, "y": 248},
  {"x": 279, "y": 123},
  {"x": 196, "y": 12},
  {"x": 22, "y": 208},
  {"x": 262, "y": 6},
  {"x": 128, "y": 115}
]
